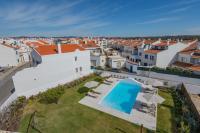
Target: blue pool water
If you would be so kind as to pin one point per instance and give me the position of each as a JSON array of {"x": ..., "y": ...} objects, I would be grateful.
[{"x": 123, "y": 96}]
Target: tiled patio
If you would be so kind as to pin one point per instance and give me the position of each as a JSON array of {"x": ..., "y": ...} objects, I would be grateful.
[{"x": 136, "y": 117}]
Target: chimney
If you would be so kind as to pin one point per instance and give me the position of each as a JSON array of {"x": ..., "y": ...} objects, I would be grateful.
[
  {"x": 159, "y": 40},
  {"x": 59, "y": 47}
]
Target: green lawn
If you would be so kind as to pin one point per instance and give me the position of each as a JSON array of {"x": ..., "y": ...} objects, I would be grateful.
[
  {"x": 68, "y": 116},
  {"x": 165, "y": 117}
]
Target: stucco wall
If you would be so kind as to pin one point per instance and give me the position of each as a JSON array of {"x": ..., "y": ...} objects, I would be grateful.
[
  {"x": 185, "y": 56},
  {"x": 134, "y": 66},
  {"x": 100, "y": 60},
  {"x": 8, "y": 56},
  {"x": 148, "y": 61},
  {"x": 54, "y": 69},
  {"x": 116, "y": 63}
]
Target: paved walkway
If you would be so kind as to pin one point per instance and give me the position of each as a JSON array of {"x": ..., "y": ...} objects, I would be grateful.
[{"x": 174, "y": 79}]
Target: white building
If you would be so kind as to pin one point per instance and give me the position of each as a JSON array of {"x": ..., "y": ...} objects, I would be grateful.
[
  {"x": 189, "y": 58},
  {"x": 98, "y": 60},
  {"x": 13, "y": 53},
  {"x": 54, "y": 65},
  {"x": 161, "y": 54},
  {"x": 116, "y": 62},
  {"x": 131, "y": 66},
  {"x": 9, "y": 55},
  {"x": 103, "y": 43}
]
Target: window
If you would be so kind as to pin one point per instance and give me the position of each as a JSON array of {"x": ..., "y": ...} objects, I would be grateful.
[
  {"x": 140, "y": 54},
  {"x": 183, "y": 59},
  {"x": 75, "y": 58},
  {"x": 16, "y": 52},
  {"x": 76, "y": 70},
  {"x": 146, "y": 56},
  {"x": 80, "y": 69},
  {"x": 151, "y": 57}
]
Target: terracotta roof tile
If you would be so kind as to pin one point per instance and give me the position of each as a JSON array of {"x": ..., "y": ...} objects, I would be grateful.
[
  {"x": 43, "y": 42},
  {"x": 190, "y": 49},
  {"x": 152, "y": 51},
  {"x": 195, "y": 68},
  {"x": 182, "y": 64},
  {"x": 34, "y": 44},
  {"x": 52, "y": 49}
]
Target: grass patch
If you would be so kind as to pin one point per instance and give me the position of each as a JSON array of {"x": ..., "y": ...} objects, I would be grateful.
[
  {"x": 68, "y": 116},
  {"x": 99, "y": 79},
  {"x": 166, "y": 115}
]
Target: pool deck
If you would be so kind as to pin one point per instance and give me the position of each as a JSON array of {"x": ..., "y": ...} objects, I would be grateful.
[{"x": 136, "y": 117}]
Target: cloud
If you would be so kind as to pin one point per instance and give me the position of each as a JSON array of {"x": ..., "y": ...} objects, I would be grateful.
[
  {"x": 175, "y": 5},
  {"x": 158, "y": 20},
  {"x": 50, "y": 16},
  {"x": 182, "y": 9}
]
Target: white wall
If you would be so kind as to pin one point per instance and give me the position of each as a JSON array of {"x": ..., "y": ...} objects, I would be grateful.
[
  {"x": 55, "y": 69},
  {"x": 100, "y": 60},
  {"x": 148, "y": 61},
  {"x": 185, "y": 56},
  {"x": 165, "y": 57},
  {"x": 116, "y": 63},
  {"x": 134, "y": 66},
  {"x": 8, "y": 56}
]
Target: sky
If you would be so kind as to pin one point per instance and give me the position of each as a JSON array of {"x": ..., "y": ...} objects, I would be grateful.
[{"x": 126, "y": 18}]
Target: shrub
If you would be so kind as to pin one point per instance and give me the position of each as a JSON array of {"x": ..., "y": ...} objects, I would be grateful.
[
  {"x": 51, "y": 95},
  {"x": 10, "y": 115},
  {"x": 83, "y": 90}
]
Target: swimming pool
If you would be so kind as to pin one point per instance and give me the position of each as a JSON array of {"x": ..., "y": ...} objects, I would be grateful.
[{"x": 123, "y": 96}]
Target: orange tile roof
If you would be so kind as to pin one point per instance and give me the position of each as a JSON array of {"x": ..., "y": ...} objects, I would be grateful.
[
  {"x": 34, "y": 44},
  {"x": 188, "y": 66},
  {"x": 88, "y": 44},
  {"x": 182, "y": 64},
  {"x": 149, "y": 41},
  {"x": 152, "y": 51},
  {"x": 195, "y": 68},
  {"x": 52, "y": 49},
  {"x": 190, "y": 49},
  {"x": 43, "y": 42}
]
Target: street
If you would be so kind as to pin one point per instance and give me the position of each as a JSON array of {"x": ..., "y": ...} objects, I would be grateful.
[{"x": 6, "y": 82}]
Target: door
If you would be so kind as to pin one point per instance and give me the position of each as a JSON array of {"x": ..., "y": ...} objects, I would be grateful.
[{"x": 131, "y": 68}]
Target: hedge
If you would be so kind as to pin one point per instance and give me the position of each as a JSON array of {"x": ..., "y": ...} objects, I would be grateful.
[{"x": 51, "y": 95}]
